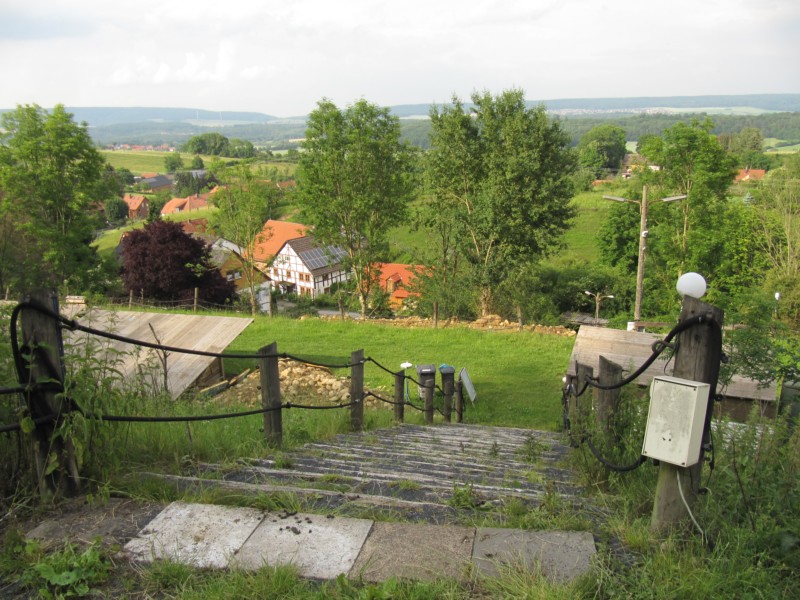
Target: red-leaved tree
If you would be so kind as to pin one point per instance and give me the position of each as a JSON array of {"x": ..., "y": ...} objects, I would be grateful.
[{"x": 162, "y": 262}]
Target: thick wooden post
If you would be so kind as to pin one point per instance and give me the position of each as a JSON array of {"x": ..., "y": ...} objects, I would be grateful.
[
  {"x": 447, "y": 387},
  {"x": 698, "y": 359},
  {"x": 459, "y": 401},
  {"x": 41, "y": 336},
  {"x": 399, "y": 397},
  {"x": 583, "y": 404},
  {"x": 428, "y": 393},
  {"x": 607, "y": 400},
  {"x": 357, "y": 390},
  {"x": 271, "y": 395},
  {"x": 196, "y": 298}
]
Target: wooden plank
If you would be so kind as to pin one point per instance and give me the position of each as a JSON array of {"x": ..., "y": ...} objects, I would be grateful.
[
  {"x": 194, "y": 332},
  {"x": 630, "y": 349}
]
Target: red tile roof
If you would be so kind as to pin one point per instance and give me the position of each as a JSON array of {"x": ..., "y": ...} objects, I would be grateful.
[
  {"x": 750, "y": 174},
  {"x": 177, "y": 205},
  {"x": 395, "y": 278},
  {"x": 134, "y": 201},
  {"x": 274, "y": 235}
]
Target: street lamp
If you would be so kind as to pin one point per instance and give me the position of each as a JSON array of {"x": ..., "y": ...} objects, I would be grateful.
[
  {"x": 637, "y": 307},
  {"x": 598, "y": 298}
]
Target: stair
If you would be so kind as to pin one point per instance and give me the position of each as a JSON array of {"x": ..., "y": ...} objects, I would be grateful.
[{"x": 433, "y": 474}]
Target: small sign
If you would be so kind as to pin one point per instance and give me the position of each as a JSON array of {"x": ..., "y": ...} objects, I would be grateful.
[{"x": 463, "y": 377}]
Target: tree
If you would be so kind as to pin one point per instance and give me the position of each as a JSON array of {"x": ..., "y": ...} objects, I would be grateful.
[
  {"x": 692, "y": 162},
  {"x": 197, "y": 163},
  {"x": 506, "y": 176},
  {"x": 125, "y": 176},
  {"x": 115, "y": 209},
  {"x": 173, "y": 162},
  {"x": 213, "y": 144},
  {"x": 244, "y": 204},
  {"x": 608, "y": 141},
  {"x": 354, "y": 183},
  {"x": 50, "y": 175},
  {"x": 241, "y": 148},
  {"x": 155, "y": 204},
  {"x": 162, "y": 262}
]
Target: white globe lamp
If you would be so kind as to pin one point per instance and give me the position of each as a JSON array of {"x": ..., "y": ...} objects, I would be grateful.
[{"x": 691, "y": 284}]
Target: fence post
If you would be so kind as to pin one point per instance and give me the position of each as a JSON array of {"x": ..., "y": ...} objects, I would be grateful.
[
  {"x": 583, "y": 405},
  {"x": 607, "y": 400},
  {"x": 130, "y": 299},
  {"x": 698, "y": 358},
  {"x": 41, "y": 336},
  {"x": 357, "y": 390},
  {"x": 271, "y": 395},
  {"x": 447, "y": 385},
  {"x": 196, "y": 296},
  {"x": 399, "y": 399},
  {"x": 428, "y": 393},
  {"x": 459, "y": 401}
]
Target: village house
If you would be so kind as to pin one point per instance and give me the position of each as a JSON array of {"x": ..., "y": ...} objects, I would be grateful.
[
  {"x": 750, "y": 175},
  {"x": 138, "y": 206},
  {"x": 394, "y": 279},
  {"x": 304, "y": 267},
  {"x": 273, "y": 236}
]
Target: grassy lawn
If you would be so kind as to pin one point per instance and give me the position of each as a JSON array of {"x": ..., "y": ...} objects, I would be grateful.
[{"x": 517, "y": 375}]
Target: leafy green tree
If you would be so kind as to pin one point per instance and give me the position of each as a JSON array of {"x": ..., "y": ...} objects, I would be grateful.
[
  {"x": 116, "y": 210},
  {"x": 509, "y": 184},
  {"x": 173, "y": 162},
  {"x": 244, "y": 204},
  {"x": 197, "y": 163},
  {"x": 125, "y": 176},
  {"x": 354, "y": 183},
  {"x": 213, "y": 144},
  {"x": 606, "y": 140},
  {"x": 50, "y": 175},
  {"x": 241, "y": 148},
  {"x": 155, "y": 204},
  {"x": 692, "y": 162}
]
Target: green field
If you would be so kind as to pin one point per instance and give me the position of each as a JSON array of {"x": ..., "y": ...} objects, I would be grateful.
[
  {"x": 517, "y": 375},
  {"x": 153, "y": 162}
]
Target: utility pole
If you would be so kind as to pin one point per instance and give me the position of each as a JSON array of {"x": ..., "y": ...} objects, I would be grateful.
[{"x": 637, "y": 306}]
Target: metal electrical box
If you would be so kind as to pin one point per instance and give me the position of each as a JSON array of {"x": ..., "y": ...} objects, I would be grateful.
[{"x": 675, "y": 420}]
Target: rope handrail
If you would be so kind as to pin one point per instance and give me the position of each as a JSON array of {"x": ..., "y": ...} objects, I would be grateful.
[{"x": 74, "y": 325}]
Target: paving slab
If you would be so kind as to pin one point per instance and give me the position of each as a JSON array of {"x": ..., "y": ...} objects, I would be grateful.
[
  {"x": 561, "y": 555},
  {"x": 320, "y": 546},
  {"x": 409, "y": 551},
  {"x": 202, "y": 535}
]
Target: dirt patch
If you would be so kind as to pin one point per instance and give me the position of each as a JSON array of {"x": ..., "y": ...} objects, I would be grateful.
[{"x": 113, "y": 522}]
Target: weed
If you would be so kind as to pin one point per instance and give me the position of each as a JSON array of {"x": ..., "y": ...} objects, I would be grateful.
[
  {"x": 65, "y": 572},
  {"x": 531, "y": 450},
  {"x": 466, "y": 497},
  {"x": 406, "y": 485}
]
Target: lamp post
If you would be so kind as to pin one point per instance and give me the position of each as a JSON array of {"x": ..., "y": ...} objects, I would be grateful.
[
  {"x": 598, "y": 298},
  {"x": 637, "y": 307}
]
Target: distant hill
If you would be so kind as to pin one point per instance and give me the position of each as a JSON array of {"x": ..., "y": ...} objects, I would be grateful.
[{"x": 152, "y": 125}]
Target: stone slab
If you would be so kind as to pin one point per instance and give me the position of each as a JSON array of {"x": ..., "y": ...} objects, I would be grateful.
[
  {"x": 320, "y": 546},
  {"x": 410, "y": 551},
  {"x": 201, "y": 535},
  {"x": 561, "y": 555}
]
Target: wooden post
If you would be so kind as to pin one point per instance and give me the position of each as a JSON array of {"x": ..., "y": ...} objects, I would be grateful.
[
  {"x": 447, "y": 386},
  {"x": 399, "y": 397},
  {"x": 698, "y": 358},
  {"x": 130, "y": 299},
  {"x": 196, "y": 296},
  {"x": 459, "y": 401},
  {"x": 607, "y": 400},
  {"x": 41, "y": 336},
  {"x": 357, "y": 390},
  {"x": 271, "y": 395},
  {"x": 428, "y": 393},
  {"x": 583, "y": 405}
]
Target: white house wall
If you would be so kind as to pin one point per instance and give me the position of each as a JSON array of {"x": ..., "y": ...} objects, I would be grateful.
[{"x": 289, "y": 268}]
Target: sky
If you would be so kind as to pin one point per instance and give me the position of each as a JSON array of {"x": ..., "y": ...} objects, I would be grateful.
[{"x": 282, "y": 57}]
